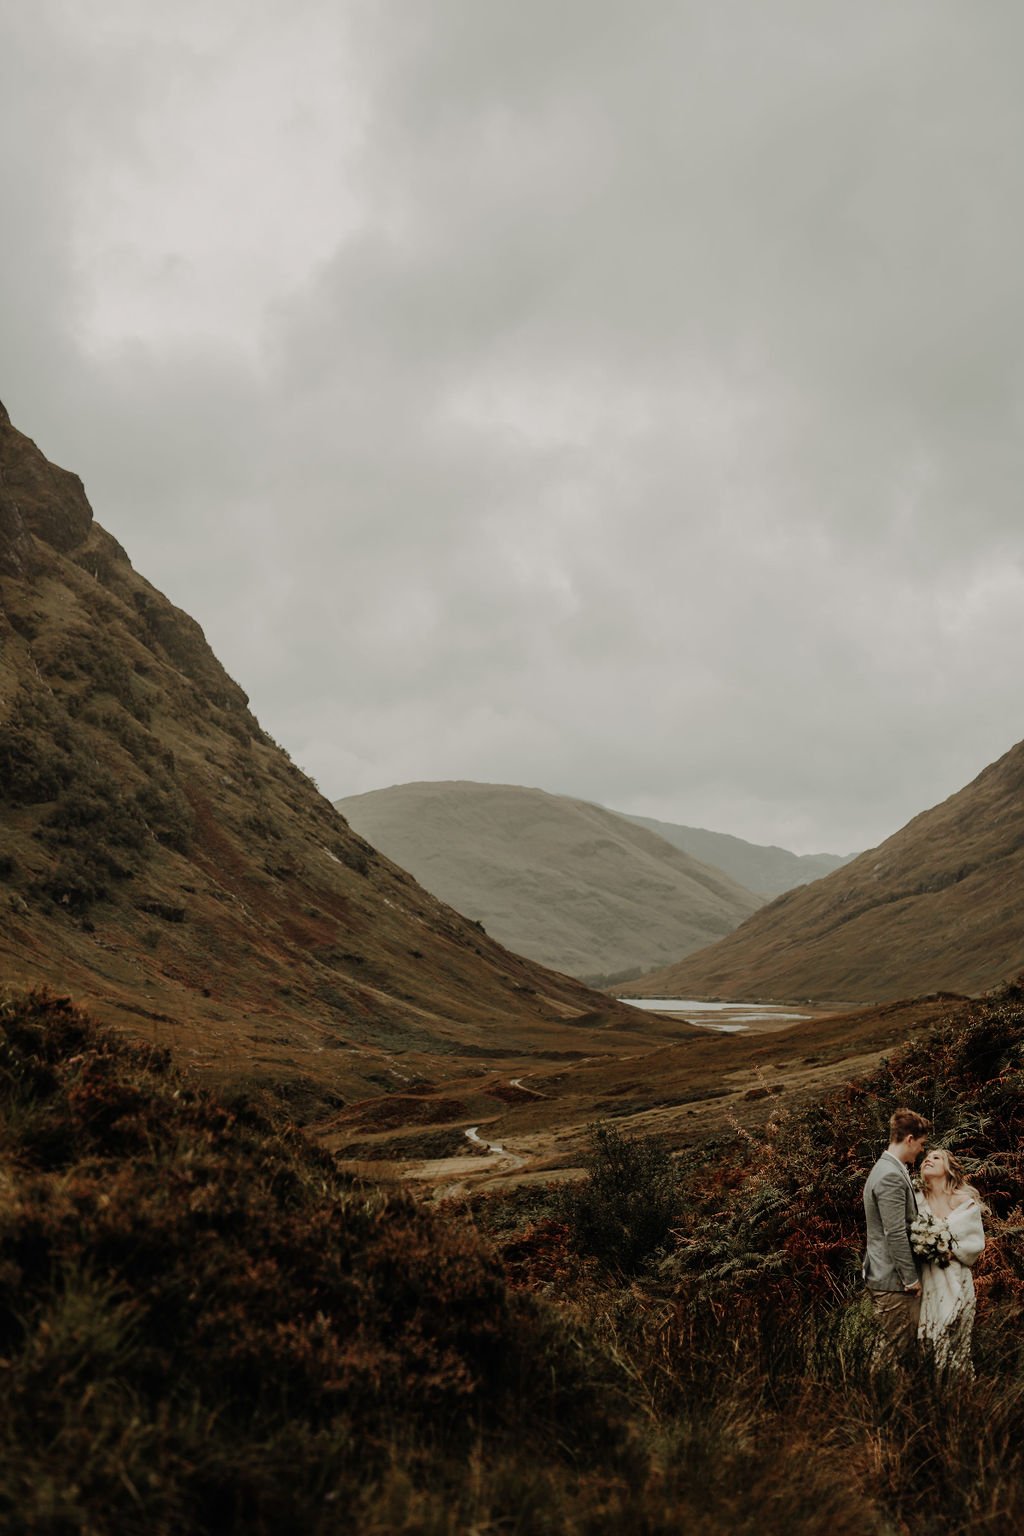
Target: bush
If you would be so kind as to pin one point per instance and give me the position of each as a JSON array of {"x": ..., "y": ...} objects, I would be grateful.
[
  {"x": 781, "y": 1211},
  {"x": 31, "y": 772},
  {"x": 97, "y": 837},
  {"x": 166, "y": 811},
  {"x": 95, "y": 811},
  {"x": 76, "y": 882},
  {"x": 206, "y": 1326},
  {"x": 623, "y": 1213}
]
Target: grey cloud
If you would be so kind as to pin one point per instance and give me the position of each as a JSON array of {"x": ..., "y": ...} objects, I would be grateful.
[{"x": 652, "y": 436}]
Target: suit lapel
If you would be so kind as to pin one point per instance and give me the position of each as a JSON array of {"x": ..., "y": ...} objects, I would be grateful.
[{"x": 902, "y": 1167}]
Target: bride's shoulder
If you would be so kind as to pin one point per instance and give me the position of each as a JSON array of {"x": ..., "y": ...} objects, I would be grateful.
[{"x": 962, "y": 1198}]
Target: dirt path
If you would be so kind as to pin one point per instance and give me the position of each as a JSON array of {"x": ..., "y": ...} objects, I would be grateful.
[
  {"x": 453, "y": 1176},
  {"x": 517, "y": 1082},
  {"x": 697, "y": 1085}
]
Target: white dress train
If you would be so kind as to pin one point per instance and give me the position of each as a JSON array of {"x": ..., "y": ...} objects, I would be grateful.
[{"x": 947, "y": 1295}]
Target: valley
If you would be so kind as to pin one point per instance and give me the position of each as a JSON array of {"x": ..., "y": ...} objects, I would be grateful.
[
  {"x": 167, "y": 865},
  {"x": 327, "y": 1175},
  {"x": 680, "y": 1081},
  {"x": 512, "y": 806},
  {"x": 165, "y": 862}
]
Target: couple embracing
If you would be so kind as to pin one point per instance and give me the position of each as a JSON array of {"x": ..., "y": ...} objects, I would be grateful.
[{"x": 921, "y": 1243}]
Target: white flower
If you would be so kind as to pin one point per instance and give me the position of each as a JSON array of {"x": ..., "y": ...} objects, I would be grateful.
[{"x": 931, "y": 1239}]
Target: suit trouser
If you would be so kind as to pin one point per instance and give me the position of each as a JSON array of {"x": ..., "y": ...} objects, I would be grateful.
[{"x": 897, "y": 1314}]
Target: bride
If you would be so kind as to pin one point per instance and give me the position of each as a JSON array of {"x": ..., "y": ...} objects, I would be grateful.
[{"x": 947, "y": 1293}]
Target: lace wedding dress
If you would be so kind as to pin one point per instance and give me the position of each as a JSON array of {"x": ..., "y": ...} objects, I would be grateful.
[{"x": 947, "y": 1295}]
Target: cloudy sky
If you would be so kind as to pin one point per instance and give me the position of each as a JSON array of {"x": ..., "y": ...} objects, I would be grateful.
[{"x": 620, "y": 399}]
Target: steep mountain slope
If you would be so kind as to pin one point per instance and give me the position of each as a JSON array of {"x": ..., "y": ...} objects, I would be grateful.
[
  {"x": 765, "y": 869},
  {"x": 567, "y": 883},
  {"x": 162, "y": 858},
  {"x": 939, "y": 905}
]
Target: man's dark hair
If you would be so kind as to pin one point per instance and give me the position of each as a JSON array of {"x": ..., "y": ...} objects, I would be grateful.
[{"x": 907, "y": 1122}]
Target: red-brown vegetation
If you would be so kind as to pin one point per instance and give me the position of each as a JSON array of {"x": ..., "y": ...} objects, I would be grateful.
[{"x": 205, "y": 1326}]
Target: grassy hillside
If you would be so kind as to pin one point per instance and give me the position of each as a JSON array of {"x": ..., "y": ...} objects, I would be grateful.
[
  {"x": 205, "y": 1327},
  {"x": 162, "y": 857},
  {"x": 570, "y": 885},
  {"x": 766, "y": 869},
  {"x": 938, "y": 906}
]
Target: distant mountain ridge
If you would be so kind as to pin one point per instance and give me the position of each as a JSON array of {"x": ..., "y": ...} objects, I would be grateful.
[
  {"x": 570, "y": 884},
  {"x": 938, "y": 906},
  {"x": 766, "y": 869},
  {"x": 162, "y": 858}
]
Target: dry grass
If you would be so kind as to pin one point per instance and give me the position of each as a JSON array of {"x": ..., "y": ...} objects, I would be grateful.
[{"x": 203, "y": 1326}]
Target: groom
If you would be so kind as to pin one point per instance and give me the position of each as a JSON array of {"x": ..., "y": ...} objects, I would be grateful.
[{"x": 890, "y": 1270}]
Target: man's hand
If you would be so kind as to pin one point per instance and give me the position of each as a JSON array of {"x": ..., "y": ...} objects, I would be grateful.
[{"x": 912, "y": 1290}]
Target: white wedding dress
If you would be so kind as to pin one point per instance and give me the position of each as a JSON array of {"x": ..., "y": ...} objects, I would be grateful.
[{"x": 947, "y": 1295}]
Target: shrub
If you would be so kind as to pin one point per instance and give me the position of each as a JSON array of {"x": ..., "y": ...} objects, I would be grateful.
[
  {"x": 35, "y": 743},
  {"x": 782, "y": 1212},
  {"x": 76, "y": 882},
  {"x": 140, "y": 744},
  {"x": 84, "y": 655},
  {"x": 30, "y": 771},
  {"x": 206, "y": 1326},
  {"x": 94, "y": 812},
  {"x": 99, "y": 835},
  {"x": 625, "y": 1209},
  {"x": 166, "y": 811}
]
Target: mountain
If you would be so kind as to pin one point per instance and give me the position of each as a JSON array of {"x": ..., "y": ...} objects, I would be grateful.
[
  {"x": 938, "y": 906},
  {"x": 767, "y": 870},
  {"x": 570, "y": 884},
  {"x": 163, "y": 859}
]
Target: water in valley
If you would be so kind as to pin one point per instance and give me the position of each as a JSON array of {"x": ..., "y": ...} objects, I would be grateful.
[{"x": 726, "y": 1018}]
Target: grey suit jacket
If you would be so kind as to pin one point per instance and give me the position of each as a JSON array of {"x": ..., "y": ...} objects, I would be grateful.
[{"x": 889, "y": 1208}]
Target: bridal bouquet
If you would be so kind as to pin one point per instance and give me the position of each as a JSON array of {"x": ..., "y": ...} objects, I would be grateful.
[{"x": 931, "y": 1239}]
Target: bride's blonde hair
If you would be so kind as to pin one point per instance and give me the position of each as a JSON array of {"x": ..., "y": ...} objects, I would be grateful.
[{"x": 956, "y": 1176}]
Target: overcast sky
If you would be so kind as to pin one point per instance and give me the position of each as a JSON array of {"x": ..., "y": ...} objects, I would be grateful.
[{"x": 622, "y": 399}]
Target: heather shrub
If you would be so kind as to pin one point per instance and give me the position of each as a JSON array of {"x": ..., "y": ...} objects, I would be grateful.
[
  {"x": 75, "y": 882},
  {"x": 105, "y": 671},
  {"x": 624, "y": 1210},
  {"x": 31, "y": 772},
  {"x": 166, "y": 811},
  {"x": 35, "y": 745},
  {"x": 98, "y": 834},
  {"x": 780, "y": 1212},
  {"x": 204, "y": 1325}
]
